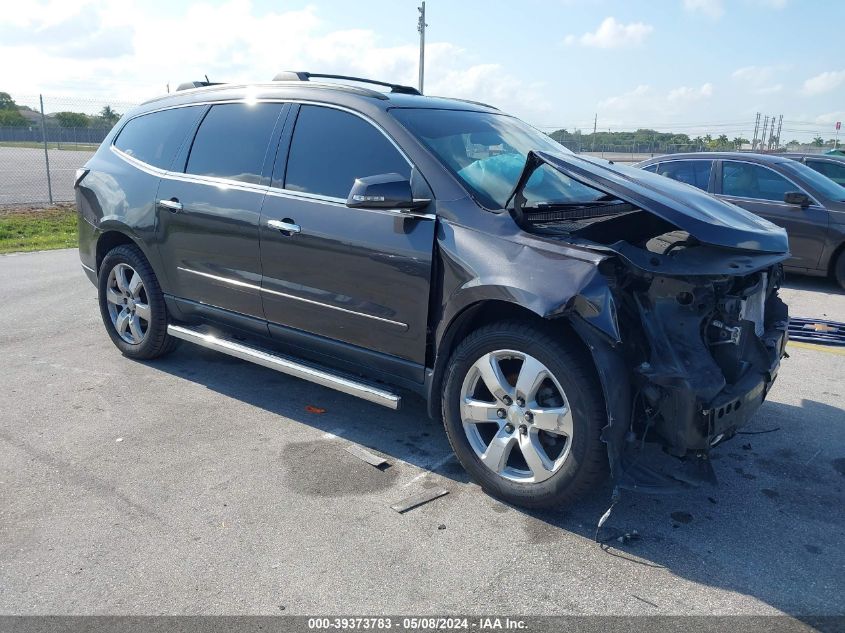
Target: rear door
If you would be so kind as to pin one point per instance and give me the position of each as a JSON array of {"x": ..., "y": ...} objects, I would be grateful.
[
  {"x": 760, "y": 189},
  {"x": 357, "y": 277},
  {"x": 209, "y": 208}
]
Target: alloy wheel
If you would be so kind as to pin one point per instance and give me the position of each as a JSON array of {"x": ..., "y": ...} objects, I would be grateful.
[
  {"x": 516, "y": 416},
  {"x": 128, "y": 304}
]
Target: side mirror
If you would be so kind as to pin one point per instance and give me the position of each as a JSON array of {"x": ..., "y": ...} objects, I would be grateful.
[
  {"x": 385, "y": 191},
  {"x": 797, "y": 198}
]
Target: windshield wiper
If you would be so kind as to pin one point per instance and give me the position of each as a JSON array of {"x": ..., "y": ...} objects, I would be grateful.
[{"x": 568, "y": 211}]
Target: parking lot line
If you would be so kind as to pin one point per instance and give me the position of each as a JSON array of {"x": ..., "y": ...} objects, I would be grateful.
[{"x": 819, "y": 348}]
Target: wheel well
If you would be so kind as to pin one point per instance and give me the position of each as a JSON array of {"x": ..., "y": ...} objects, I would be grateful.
[
  {"x": 108, "y": 241},
  {"x": 831, "y": 267},
  {"x": 477, "y": 316}
]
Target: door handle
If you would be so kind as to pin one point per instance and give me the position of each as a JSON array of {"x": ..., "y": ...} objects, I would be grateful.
[
  {"x": 172, "y": 204},
  {"x": 286, "y": 226}
]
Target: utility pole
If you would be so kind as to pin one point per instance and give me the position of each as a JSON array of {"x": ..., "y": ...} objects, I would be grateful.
[
  {"x": 421, "y": 28},
  {"x": 763, "y": 135},
  {"x": 771, "y": 132},
  {"x": 780, "y": 125},
  {"x": 756, "y": 129},
  {"x": 595, "y": 123}
]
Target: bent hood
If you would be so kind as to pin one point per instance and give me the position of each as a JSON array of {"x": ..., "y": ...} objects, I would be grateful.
[{"x": 708, "y": 219}]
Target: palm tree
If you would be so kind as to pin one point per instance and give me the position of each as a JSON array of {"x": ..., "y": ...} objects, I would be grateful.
[
  {"x": 818, "y": 141},
  {"x": 108, "y": 115}
]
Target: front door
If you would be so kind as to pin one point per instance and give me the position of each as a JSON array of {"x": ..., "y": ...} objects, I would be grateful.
[
  {"x": 209, "y": 211},
  {"x": 760, "y": 190},
  {"x": 357, "y": 277}
]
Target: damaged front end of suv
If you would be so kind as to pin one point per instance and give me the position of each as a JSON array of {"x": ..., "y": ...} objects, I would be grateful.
[{"x": 684, "y": 321}]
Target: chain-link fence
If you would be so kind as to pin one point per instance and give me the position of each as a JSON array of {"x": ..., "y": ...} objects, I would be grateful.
[{"x": 44, "y": 140}]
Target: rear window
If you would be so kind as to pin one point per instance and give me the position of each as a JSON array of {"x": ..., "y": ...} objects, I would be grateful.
[
  {"x": 691, "y": 172},
  {"x": 232, "y": 141},
  {"x": 155, "y": 138}
]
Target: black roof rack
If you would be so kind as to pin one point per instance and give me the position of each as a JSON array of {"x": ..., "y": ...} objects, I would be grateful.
[
  {"x": 188, "y": 85},
  {"x": 291, "y": 75}
]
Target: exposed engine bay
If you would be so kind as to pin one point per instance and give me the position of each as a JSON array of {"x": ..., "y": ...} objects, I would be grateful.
[{"x": 687, "y": 335}]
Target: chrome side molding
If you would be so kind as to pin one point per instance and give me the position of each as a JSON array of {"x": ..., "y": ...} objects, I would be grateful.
[{"x": 287, "y": 366}]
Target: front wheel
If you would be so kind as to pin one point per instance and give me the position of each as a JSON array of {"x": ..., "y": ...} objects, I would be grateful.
[
  {"x": 132, "y": 304},
  {"x": 523, "y": 411}
]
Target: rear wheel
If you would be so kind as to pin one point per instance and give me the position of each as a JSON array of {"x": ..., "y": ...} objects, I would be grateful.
[
  {"x": 524, "y": 412},
  {"x": 132, "y": 304}
]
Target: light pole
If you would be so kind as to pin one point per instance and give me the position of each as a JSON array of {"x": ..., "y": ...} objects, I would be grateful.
[{"x": 421, "y": 28}]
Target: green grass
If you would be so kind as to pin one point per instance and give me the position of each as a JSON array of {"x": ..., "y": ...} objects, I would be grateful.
[
  {"x": 67, "y": 145},
  {"x": 38, "y": 229}
]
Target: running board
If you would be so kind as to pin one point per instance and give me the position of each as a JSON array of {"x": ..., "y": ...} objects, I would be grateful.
[{"x": 287, "y": 366}]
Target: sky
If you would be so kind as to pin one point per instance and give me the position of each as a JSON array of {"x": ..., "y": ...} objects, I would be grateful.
[{"x": 690, "y": 66}]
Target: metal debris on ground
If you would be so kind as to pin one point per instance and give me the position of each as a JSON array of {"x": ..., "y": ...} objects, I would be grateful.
[
  {"x": 628, "y": 537},
  {"x": 417, "y": 500},
  {"x": 816, "y": 331},
  {"x": 364, "y": 455}
]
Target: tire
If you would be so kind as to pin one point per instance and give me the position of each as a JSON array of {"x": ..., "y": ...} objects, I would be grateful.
[
  {"x": 568, "y": 414},
  {"x": 839, "y": 269},
  {"x": 133, "y": 308}
]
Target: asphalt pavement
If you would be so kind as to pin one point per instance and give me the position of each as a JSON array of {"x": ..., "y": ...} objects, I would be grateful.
[
  {"x": 23, "y": 174},
  {"x": 200, "y": 484}
]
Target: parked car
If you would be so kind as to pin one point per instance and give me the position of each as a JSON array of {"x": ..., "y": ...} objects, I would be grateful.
[
  {"x": 561, "y": 314},
  {"x": 810, "y": 206},
  {"x": 830, "y": 165}
]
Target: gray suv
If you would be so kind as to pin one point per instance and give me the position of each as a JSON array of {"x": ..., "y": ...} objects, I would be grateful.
[{"x": 564, "y": 316}]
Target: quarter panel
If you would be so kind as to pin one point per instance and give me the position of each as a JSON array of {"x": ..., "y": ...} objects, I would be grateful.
[{"x": 117, "y": 196}]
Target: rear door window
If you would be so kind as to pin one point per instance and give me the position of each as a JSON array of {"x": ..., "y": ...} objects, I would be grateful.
[
  {"x": 692, "y": 172},
  {"x": 747, "y": 180},
  {"x": 232, "y": 141},
  {"x": 331, "y": 148},
  {"x": 155, "y": 138}
]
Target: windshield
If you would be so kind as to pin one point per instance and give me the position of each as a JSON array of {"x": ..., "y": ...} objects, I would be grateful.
[
  {"x": 485, "y": 151},
  {"x": 817, "y": 181}
]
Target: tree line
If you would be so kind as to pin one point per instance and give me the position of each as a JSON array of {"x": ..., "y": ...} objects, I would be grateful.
[
  {"x": 647, "y": 140},
  {"x": 12, "y": 115}
]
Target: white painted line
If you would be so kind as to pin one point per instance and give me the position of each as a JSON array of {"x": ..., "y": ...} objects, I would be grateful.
[{"x": 429, "y": 470}]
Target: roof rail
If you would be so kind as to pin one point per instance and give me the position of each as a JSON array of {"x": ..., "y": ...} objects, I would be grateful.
[
  {"x": 188, "y": 85},
  {"x": 478, "y": 103},
  {"x": 290, "y": 75}
]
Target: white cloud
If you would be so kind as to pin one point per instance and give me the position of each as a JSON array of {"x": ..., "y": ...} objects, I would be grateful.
[
  {"x": 684, "y": 93},
  {"x": 233, "y": 41},
  {"x": 627, "y": 100},
  {"x": 711, "y": 8},
  {"x": 613, "y": 34},
  {"x": 830, "y": 118},
  {"x": 645, "y": 105},
  {"x": 760, "y": 79},
  {"x": 824, "y": 82}
]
